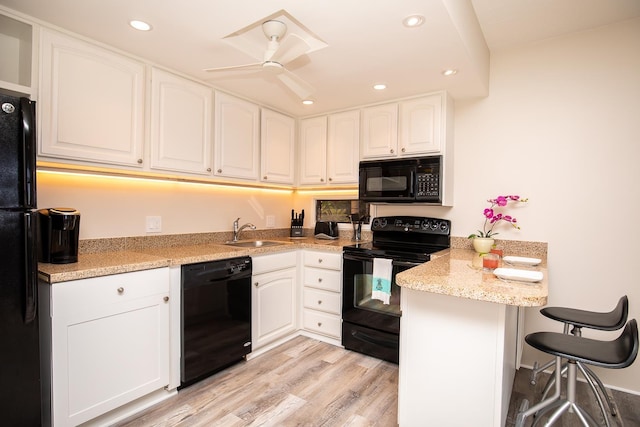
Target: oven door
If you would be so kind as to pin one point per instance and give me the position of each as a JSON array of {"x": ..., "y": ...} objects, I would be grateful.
[
  {"x": 357, "y": 305},
  {"x": 387, "y": 181}
]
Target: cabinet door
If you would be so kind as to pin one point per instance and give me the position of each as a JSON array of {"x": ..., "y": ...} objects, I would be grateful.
[
  {"x": 343, "y": 147},
  {"x": 110, "y": 343},
  {"x": 420, "y": 125},
  {"x": 277, "y": 138},
  {"x": 273, "y": 306},
  {"x": 91, "y": 102},
  {"x": 313, "y": 151},
  {"x": 237, "y": 127},
  {"x": 181, "y": 119},
  {"x": 380, "y": 131}
]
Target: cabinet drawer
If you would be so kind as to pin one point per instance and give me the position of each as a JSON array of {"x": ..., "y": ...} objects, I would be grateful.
[
  {"x": 105, "y": 290},
  {"x": 273, "y": 262},
  {"x": 329, "y": 280},
  {"x": 322, "y": 323},
  {"x": 327, "y": 260},
  {"x": 322, "y": 300}
]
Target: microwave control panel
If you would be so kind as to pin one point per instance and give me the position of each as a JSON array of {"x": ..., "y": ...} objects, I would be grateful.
[{"x": 428, "y": 185}]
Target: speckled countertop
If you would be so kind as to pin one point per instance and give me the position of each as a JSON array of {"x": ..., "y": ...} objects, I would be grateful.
[
  {"x": 458, "y": 272},
  {"x": 123, "y": 261}
]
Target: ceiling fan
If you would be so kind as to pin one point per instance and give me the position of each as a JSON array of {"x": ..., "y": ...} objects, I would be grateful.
[{"x": 276, "y": 56}]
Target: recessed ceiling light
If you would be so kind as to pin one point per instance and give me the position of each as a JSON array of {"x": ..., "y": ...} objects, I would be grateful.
[
  {"x": 450, "y": 72},
  {"x": 413, "y": 21},
  {"x": 308, "y": 102},
  {"x": 140, "y": 25},
  {"x": 380, "y": 86}
]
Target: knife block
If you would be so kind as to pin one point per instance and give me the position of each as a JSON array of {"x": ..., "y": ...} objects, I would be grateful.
[{"x": 296, "y": 230}]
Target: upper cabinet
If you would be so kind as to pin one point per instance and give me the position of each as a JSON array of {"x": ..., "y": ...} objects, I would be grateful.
[
  {"x": 329, "y": 147},
  {"x": 277, "y": 147},
  {"x": 91, "y": 102},
  {"x": 181, "y": 119},
  {"x": 15, "y": 50},
  {"x": 412, "y": 127},
  {"x": 237, "y": 137}
]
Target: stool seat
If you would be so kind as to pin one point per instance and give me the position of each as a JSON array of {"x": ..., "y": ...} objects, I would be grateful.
[
  {"x": 609, "y": 321},
  {"x": 615, "y": 354}
]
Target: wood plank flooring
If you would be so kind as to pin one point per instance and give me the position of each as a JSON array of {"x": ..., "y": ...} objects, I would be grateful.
[{"x": 305, "y": 382}]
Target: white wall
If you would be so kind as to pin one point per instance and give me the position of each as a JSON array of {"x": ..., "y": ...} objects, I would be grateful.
[{"x": 561, "y": 126}]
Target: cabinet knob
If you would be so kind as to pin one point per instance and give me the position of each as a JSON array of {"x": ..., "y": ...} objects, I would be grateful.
[
  {"x": 208, "y": 169},
  {"x": 319, "y": 302},
  {"x": 391, "y": 151},
  {"x": 330, "y": 179},
  {"x": 256, "y": 284},
  {"x": 319, "y": 279},
  {"x": 166, "y": 299},
  {"x": 321, "y": 179},
  {"x": 264, "y": 177},
  {"x": 404, "y": 149},
  {"x": 319, "y": 260},
  {"x": 120, "y": 290},
  {"x": 219, "y": 170},
  {"x": 139, "y": 161},
  {"x": 319, "y": 324}
]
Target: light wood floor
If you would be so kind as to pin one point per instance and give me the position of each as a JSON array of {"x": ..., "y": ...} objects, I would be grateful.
[{"x": 305, "y": 382}]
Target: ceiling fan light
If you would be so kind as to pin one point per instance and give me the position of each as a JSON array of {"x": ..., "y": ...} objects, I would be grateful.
[
  {"x": 379, "y": 86},
  {"x": 308, "y": 102},
  {"x": 450, "y": 72},
  {"x": 140, "y": 25},
  {"x": 412, "y": 21}
]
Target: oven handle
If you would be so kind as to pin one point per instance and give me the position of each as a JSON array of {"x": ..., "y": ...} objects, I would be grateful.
[
  {"x": 351, "y": 257},
  {"x": 371, "y": 340}
]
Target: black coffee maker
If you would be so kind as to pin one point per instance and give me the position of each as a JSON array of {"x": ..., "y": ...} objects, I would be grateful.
[{"x": 59, "y": 233}]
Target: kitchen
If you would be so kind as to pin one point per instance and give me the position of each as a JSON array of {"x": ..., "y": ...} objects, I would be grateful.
[{"x": 539, "y": 133}]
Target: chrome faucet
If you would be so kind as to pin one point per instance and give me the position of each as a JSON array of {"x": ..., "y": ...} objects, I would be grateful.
[{"x": 237, "y": 229}]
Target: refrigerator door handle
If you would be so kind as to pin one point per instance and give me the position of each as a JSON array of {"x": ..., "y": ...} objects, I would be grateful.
[
  {"x": 31, "y": 266},
  {"x": 29, "y": 151}
]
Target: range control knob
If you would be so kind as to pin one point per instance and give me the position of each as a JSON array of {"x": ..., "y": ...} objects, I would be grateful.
[
  {"x": 444, "y": 226},
  {"x": 425, "y": 224}
]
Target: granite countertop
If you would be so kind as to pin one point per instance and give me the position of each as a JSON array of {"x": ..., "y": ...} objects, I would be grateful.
[
  {"x": 115, "y": 262},
  {"x": 458, "y": 272}
]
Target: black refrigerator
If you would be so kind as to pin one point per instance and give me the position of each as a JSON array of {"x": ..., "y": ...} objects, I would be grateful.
[{"x": 20, "y": 397}]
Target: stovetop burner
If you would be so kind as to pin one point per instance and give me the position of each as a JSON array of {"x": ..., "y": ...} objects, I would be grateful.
[{"x": 408, "y": 238}]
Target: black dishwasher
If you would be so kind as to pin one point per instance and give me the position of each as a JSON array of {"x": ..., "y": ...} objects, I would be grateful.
[{"x": 215, "y": 316}]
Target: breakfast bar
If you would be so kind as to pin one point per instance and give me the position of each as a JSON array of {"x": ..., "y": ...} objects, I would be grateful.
[{"x": 461, "y": 339}]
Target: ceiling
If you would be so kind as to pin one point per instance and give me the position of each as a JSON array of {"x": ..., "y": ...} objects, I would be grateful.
[{"x": 366, "y": 41}]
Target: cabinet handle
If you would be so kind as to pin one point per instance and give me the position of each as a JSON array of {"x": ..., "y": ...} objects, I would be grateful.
[
  {"x": 120, "y": 290},
  {"x": 264, "y": 177},
  {"x": 319, "y": 279},
  {"x": 256, "y": 284},
  {"x": 391, "y": 151},
  {"x": 319, "y": 302},
  {"x": 139, "y": 161},
  {"x": 208, "y": 169},
  {"x": 404, "y": 149},
  {"x": 319, "y": 324},
  {"x": 166, "y": 299},
  {"x": 319, "y": 260},
  {"x": 219, "y": 170}
]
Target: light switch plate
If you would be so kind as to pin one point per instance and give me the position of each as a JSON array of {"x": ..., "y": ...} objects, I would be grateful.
[{"x": 154, "y": 224}]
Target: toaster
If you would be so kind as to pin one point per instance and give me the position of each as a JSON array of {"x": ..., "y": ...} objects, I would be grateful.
[{"x": 326, "y": 230}]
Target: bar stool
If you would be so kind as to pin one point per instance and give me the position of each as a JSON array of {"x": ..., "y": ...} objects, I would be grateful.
[
  {"x": 616, "y": 354},
  {"x": 578, "y": 319}
]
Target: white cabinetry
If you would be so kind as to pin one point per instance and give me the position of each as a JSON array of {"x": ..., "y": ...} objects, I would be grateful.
[
  {"x": 278, "y": 140},
  {"x": 418, "y": 126},
  {"x": 273, "y": 297},
  {"x": 181, "y": 119},
  {"x": 15, "y": 49},
  {"x": 237, "y": 137},
  {"x": 322, "y": 293},
  {"x": 329, "y": 147},
  {"x": 91, "y": 102},
  {"x": 109, "y": 342}
]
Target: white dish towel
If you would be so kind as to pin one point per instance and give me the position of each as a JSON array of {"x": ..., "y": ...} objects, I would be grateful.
[{"x": 381, "y": 285}]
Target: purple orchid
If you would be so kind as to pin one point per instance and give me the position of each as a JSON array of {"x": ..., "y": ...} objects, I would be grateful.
[{"x": 492, "y": 217}]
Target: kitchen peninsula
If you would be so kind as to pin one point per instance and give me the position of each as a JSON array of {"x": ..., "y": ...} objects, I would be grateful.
[{"x": 460, "y": 339}]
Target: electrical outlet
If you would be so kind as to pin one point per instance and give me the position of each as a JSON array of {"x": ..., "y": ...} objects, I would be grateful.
[
  {"x": 154, "y": 224},
  {"x": 271, "y": 221}
]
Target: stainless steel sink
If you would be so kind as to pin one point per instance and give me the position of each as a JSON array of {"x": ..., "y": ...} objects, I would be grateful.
[{"x": 253, "y": 243}]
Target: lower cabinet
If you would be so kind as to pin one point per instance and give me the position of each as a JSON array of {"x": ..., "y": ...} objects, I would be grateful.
[
  {"x": 109, "y": 342},
  {"x": 322, "y": 293},
  {"x": 273, "y": 297}
]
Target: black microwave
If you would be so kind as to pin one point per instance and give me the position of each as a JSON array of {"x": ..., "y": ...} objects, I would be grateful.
[{"x": 412, "y": 180}]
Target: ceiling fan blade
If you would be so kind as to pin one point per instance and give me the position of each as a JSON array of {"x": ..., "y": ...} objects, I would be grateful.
[
  {"x": 254, "y": 66},
  {"x": 290, "y": 48},
  {"x": 296, "y": 84}
]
